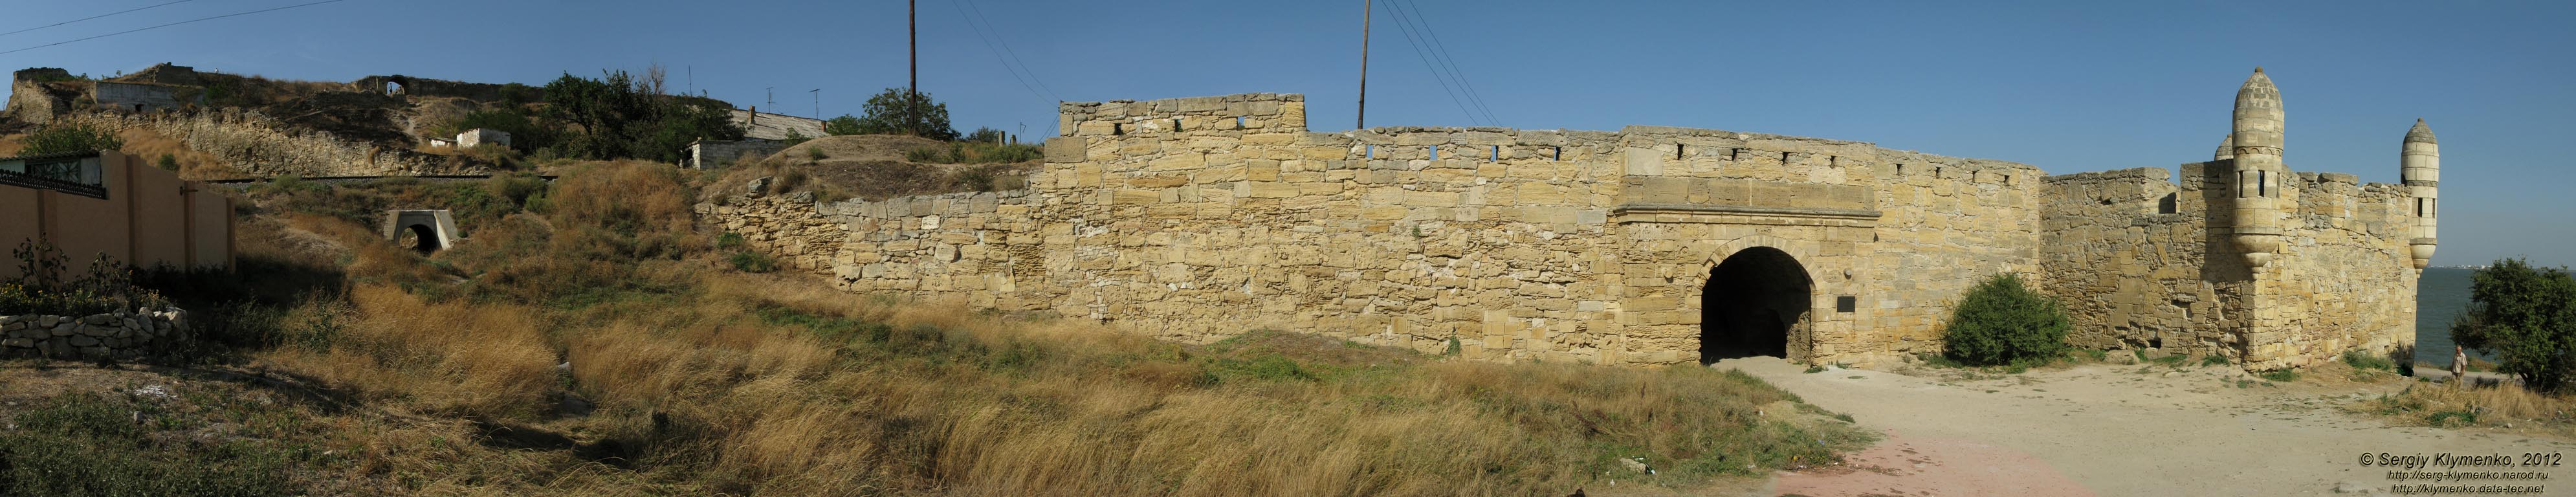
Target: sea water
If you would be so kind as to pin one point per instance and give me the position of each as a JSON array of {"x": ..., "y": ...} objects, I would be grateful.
[{"x": 2442, "y": 294}]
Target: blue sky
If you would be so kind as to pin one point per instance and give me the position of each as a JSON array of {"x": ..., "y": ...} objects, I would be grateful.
[{"x": 2066, "y": 86}]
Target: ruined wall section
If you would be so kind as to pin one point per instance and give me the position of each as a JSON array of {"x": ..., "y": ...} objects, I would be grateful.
[
  {"x": 2347, "y": 282},
  {"x": 2127, "y": 249}
]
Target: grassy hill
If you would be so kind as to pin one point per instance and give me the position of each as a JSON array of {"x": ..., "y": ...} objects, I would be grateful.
[{"x": 588, "y": 340}]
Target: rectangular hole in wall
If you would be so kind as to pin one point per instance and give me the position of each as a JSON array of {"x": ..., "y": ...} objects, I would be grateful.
[
  {"x": 1732, "y": 153},
  {"x": 2007, "y": 180},
  {"x": 1677, "y": 151},
  {"x": 1118, "y": 128},
  {"x": 1900, "y": 169},
  {"x": 1435, "y": 152},
  {"x": 1176, "y": 125},
  {"x": 1497, "y": 154},
  {"x": 1784, "y": 157},
  {"x": 1846, "y": 303},
  {"x": 1833, "y": 161},
  {"x": 1369, "y": 151},
  {"x": 2263, "y": 183},
  {"x": 1238, "y": 122},
  {"x": 1556, "y": 153},
  {"x": 2169, "y": 205}
]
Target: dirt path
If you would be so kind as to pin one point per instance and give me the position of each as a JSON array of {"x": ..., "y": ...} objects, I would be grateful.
[{"x": 2113, "y": 430}]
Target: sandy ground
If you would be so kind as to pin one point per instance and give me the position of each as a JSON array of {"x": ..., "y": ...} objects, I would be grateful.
[{"x": 2114, "y": 430}]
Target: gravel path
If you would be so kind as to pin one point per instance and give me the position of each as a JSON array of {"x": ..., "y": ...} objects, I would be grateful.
[{"x": 2119, "y": 430}]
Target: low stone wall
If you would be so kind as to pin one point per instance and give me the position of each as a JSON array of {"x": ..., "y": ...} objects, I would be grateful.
[
  {"x": 118, "y": 335},
  {"x": 786, "y": 226}
]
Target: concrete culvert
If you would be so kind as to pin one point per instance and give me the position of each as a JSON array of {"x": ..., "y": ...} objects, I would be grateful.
[{"x": 424, "y": 230}]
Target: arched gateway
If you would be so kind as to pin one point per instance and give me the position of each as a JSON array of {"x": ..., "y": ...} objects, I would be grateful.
[{"x": 1755, "y": 304}]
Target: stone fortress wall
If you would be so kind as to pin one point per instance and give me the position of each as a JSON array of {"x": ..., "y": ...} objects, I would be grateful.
[{"x": 1199, "y": 218}]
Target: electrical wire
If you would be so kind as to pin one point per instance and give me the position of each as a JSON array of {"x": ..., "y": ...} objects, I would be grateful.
[
  {"x": 90, "y": 17},
  {"x": 1409, "y": 38},
  {"x": 1441, "y": 51},
  {"x": 1015, "y": 54},
  {"x": 173, "y": 24},
  {"x": 997, "y": 52}
]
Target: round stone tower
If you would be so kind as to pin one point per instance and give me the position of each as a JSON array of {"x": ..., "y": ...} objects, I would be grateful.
[
  {"x": 2226, "y": 148},
  {"x": 2420, "y": 167},
  {"x": 2257, "y": 145}
]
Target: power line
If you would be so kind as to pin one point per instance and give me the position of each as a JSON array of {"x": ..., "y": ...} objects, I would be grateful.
[
  {"x": 89, "y": 18},
  {"x": 1410, "y": 39},
  {"x": 1441, "y": 51},
  {"x": 1015, "y": 54},
  {"x": 172, "y": 24},
  {"x": 997, "y": 53}
]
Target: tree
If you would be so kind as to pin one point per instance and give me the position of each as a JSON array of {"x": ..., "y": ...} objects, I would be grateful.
[
  {"x": 2526, "y": 317},
  {"x": 2003, "y": 322},
  {"x": 844, "y": 125},
  {"x": 73, "y": 136},
  {"x": 621, "y": 117},
  {"x": 896, "y": 111}
]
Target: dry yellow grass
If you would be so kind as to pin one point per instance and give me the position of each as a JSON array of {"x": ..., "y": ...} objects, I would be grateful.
[
  {"x": 710, "y": 381},
  {"x": 2502, "y": 405}
]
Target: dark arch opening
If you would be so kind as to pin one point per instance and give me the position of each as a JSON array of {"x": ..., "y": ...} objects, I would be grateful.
[
  {"x": 422, "y": 238},
  {"x": 393, "y": 87},
  {"x": 1755, "y": 304}
]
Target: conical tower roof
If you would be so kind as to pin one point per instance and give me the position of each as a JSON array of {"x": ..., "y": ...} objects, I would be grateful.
[{"x": 2420, "y": 133}]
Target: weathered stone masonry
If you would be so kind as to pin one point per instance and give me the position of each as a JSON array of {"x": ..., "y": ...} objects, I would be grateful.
[{"x": 1198, "y": 218}]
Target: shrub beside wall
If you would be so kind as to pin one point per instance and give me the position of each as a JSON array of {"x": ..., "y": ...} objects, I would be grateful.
[{"x": 2003, "y": 322}]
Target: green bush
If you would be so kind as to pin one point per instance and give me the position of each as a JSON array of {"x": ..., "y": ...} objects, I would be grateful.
[
  {"x": 73, "y": 136},
  {"x": 168, "y": 162},
  {"x": 754, "y": 262},
  {"x": 43, "y": 288},
  {"x": 2003, "y": 322},
  {"x": 2526, "y": 317}
]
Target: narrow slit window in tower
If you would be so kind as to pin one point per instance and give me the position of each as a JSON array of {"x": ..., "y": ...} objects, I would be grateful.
[
  {"x": 1118, "y": 128},
  {"x": 1368, "y": 151},
  {"x": 1176, "y": 125},
  {"x": 1497, "y": 154},
  {"x": 1435, "y": 152},
  {"x": 1238, "y": 122},
  {"x": 1677, "y": 151},
  {"x": 1732, "y": 152},
  {"x": 1900, "y": 169},
  {"x": 1784, "y": 158},
  {"x": 1556, "y": 153},
  {"x": 2263, "y": 183}
]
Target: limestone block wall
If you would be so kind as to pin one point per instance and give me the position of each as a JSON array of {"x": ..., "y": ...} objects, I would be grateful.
[
  {"x": 786, "y": 226},
  {"x": 1199, "y": 218},
  {"x": 2346, "y": 281},
  {"x": 2164, "y": 278},
  {"x": 2129, "y": 249},
  {"x": 118, "y": 335},
  {"x": 136, "y": 97}
]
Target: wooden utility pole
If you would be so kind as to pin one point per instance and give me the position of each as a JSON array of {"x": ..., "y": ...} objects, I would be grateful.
[
  {"x": 912, "y": 91},
  {"x": 1367, "y": 7}
]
